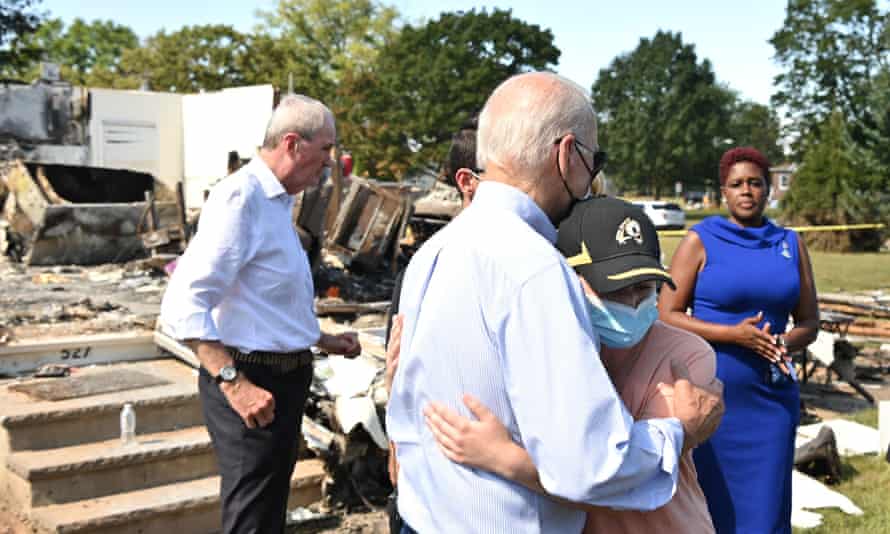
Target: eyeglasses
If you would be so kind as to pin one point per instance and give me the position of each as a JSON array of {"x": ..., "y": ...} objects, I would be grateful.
[{"x": 598, "y": 157}]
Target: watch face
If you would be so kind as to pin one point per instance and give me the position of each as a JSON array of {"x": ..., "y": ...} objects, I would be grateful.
[{"x": 228, "y": 373}]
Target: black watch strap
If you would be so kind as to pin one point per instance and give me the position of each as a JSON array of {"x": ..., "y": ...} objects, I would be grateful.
[{"x": 226, "y": 374}]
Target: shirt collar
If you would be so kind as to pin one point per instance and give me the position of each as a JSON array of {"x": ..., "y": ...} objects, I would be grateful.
[
  {"x": 268, "y": 181},
  {"x": 498, "y": 195}
]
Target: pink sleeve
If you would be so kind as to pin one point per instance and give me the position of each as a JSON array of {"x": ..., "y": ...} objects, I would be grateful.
[{"x": 702, "y": 364}]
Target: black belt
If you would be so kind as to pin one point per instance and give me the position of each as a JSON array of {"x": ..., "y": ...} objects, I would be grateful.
[{"x": 283, "y": 362}]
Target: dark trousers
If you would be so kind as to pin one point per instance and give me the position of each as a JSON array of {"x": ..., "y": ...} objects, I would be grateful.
[
  {"x": 392, "y": 511},
  {"x": 256, "y": 464}
]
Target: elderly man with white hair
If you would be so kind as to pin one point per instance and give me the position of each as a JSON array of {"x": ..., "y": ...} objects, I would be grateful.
[
  {"x": 242, "y": 297},
  {"x": 492, "y": 309}
]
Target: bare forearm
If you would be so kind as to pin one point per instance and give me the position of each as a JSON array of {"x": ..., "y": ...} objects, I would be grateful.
[
  {"x": 715, "y": 333},
  {"x": 212, "y": 355},
  {"x": 802, "y": 335},
  {"x": 516, "y": 465}
]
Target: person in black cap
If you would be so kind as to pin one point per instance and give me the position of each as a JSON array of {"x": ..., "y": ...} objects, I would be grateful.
[{"x": 614, "y": 248}]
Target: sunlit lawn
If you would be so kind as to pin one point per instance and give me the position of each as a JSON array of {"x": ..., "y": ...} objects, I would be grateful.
[
  {"x": 866, "y": 481},
  {"x": 833, "y": 271}
]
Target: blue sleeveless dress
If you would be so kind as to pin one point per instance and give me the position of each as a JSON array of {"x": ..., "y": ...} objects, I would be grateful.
[{"x": 745, "y": 468}]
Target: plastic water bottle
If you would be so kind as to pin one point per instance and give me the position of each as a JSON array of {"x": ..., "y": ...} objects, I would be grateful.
[{"x": 128, "y": 425}]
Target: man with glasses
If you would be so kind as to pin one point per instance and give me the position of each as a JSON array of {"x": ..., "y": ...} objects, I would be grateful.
[{"x": 492, "y": 309}]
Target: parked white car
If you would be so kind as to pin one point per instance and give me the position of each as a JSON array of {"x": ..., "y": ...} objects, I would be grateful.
[{"x": 664, "y": 215}]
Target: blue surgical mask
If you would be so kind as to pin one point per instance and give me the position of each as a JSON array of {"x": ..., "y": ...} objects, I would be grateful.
[{"x": 619, "y": 325}]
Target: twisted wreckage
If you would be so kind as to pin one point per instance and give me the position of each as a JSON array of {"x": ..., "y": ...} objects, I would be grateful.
[{"x": 100, "y": 191}]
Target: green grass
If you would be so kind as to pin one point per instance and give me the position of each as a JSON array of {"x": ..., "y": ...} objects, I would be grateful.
[
  {"x": 867, "y": 417},
  {"x": 865, "y": 480},
  {"x": 834, "y": 271}
]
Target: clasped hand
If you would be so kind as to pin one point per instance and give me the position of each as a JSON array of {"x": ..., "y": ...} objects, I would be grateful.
[{"x": 761, "y": 341}]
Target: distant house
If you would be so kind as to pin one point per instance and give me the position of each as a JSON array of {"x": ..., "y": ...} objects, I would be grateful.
[{"x": 781, "y": 177}]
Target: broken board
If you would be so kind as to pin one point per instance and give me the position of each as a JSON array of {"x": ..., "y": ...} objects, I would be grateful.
[
  {"x": 25, "y": 356},
  {"x": 72, "y": 387}
]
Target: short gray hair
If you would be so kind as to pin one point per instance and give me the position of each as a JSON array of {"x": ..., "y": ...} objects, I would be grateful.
[
  {"x": 297, "y": 113},
  {"x": 521, "y": 132}
]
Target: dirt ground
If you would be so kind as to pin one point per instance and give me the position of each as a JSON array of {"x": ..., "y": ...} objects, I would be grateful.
[
  {"x": 43, "y": 302},
  {"x": 356, "y": 523},
  {"x": 12, "y": 523}
]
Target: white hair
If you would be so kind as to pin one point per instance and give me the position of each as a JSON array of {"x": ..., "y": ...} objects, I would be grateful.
[
  {"x": 297, "y": 113},
  {"x": 521, "y": 131}
]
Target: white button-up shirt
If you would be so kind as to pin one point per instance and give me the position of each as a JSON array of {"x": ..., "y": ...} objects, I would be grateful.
[
  {"x": 244, "y": 279},
  {"x": 492, "y": 309}
]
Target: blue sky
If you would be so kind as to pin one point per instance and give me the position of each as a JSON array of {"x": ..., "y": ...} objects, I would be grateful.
[{"x": 732, "y": 34}]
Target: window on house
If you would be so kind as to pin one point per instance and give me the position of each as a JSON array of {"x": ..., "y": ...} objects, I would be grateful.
[{"x": 784, "y": 181}]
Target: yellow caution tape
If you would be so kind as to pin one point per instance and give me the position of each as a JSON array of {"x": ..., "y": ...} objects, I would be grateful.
[{"x": 799, "y": 229}]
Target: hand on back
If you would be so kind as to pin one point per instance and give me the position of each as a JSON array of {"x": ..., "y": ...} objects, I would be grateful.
[{"x": 478, "y": 443}]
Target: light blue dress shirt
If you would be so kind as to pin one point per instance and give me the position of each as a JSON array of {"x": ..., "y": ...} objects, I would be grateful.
[
  {"x": 244, "y": 279},
  {"x": 491, "y": 308}
]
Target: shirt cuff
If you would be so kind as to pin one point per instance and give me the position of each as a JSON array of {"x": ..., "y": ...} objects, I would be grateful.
[
  {"x": 672, "y": 429},
  {"x": 198, "y": 325}
]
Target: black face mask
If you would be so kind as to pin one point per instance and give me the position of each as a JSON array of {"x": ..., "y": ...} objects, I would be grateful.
[{"x": 599, "y": 161}]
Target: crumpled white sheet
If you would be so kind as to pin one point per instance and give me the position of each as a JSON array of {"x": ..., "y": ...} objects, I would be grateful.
[
  {"x": 343, "y": 377},
  {"x": 823, "y": 348},
  {"x": 807, "y": 494},
  {"x": 355, "y": 411}
]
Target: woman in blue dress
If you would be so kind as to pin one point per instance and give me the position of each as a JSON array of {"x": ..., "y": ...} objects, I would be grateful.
[{"x": 743, "y": 277}]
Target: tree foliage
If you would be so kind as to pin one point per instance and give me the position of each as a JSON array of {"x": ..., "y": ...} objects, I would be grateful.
[
  {"x": 88, "y": 53},
  {"x": 427, "y": 82},
  {"x": 17, "y": 20},
  {"x": 753, "y": 124},
  {"x": 662, "y": 117},
  {"x": 192, "y": 59},
  {"x": 836, "y": 57},
  {"x": 834, "y": 186},
  {"x": 319, "y": 42}
]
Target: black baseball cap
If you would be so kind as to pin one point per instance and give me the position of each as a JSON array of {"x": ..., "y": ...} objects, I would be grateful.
[{"x": 612, "y": 244}]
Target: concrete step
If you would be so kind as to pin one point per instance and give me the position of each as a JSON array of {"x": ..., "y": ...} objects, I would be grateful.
[
  {"x": 55, "y": 476},
  {"x": 32, "y": 424},
  {"x": 187, "y": 507}
]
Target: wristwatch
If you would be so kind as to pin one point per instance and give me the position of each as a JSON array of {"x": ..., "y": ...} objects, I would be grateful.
[{"x": 227, "y": 374}]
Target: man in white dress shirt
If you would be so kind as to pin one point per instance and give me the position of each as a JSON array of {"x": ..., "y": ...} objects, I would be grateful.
[
  {"x": 242, "y": 297},
  {"x": 491, "y": 308}
]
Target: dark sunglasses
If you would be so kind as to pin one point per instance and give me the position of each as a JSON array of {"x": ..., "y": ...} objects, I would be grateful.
[{"x": 600, "y": 158}]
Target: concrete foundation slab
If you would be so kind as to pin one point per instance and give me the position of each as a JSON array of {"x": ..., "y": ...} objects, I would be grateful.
[
  {"x": 189, "y": 507},
  {"x": 72, "y": 387}
]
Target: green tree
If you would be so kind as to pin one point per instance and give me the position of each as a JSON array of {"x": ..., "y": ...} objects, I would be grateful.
[
  {"x": 17, "y": 20},
  {"x": 88, "y": 53},
  {"x": 191, "y": 59},
  {"x": 318, "y": 42},
  {"x": 834, "y": 186},
  {"x": 662, "y": 117},
  {"x": 835, "y": 54},
  {"x": 427, "y": 82},
  {"x": 753, "y": 124}
]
